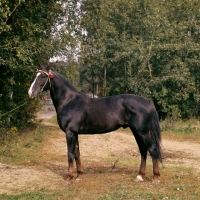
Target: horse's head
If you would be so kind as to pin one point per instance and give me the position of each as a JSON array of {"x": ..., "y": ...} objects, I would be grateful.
[{"x": 41, "y": 81}]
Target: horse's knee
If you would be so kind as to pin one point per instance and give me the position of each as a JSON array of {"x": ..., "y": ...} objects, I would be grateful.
[{"x": 71, "y": 157}]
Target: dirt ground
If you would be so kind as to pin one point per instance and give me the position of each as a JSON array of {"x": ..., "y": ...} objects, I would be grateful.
[{"x": 93, "y": 148}]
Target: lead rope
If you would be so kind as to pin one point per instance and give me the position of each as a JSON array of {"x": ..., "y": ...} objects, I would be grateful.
[
  {"x": 14, "y": 109},
  {"x": 48, "y": 79}
]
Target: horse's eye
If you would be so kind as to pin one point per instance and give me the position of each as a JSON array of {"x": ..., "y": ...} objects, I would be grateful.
[{"x": 43, "y": 76}]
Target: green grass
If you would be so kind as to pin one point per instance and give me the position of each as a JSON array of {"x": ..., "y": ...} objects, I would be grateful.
[
  {"x": 181, "y": 129},
  {"x": 52, "y": 120},
  {"x": 35, "y": 195},
  {"x": 22, "y": 147}
]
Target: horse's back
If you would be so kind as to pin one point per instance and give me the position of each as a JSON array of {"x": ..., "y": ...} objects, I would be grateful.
[{"x": 118, "y": 107}]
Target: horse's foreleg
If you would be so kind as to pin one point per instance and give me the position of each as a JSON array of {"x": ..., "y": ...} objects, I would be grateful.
[
  {"x": 71, "y": 144},
  {"x": 78, "y": 160}
]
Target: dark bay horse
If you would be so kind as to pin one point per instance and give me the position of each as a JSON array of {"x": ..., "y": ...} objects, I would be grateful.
[{"x": 80, "y": 114}]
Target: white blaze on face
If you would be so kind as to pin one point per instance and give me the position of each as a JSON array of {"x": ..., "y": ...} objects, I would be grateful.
[{"x": 30, "y": 91}]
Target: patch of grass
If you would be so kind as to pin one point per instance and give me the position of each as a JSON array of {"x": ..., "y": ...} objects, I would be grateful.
[
  {"x": 52, "y": 120},
  {"x": 182, "y": 130},
  {"x": 35, "y": 195},
  {"x": 24, "y": 147}
]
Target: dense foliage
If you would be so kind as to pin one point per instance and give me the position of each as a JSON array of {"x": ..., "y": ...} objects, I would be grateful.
[
  {"x": 27, "y": 36},
  {"x": 146, "y": 47}
]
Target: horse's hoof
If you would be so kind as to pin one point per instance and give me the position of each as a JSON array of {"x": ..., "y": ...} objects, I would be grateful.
[
  {"x": 79, "y": 177},
  {"x": 138, "y": 178},
  {"x": 156, "y": 181}
]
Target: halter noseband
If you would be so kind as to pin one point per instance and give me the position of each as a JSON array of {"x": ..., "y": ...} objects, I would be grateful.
[{"x": 49, "y": 75}]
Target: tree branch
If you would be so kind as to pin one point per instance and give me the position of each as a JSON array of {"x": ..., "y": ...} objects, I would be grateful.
[
  {"x": 149, "y": 56},
  {"x": 13, "y": 11}
]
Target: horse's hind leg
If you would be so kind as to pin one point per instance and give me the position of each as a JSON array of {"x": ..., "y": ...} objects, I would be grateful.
[
  {"x": 155, "y": 158},
  {"x": 145, "y": 144},
  {"x": 156, "y": 173}
]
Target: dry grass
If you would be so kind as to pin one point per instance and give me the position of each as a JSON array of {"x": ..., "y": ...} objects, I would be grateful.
[{"x": 181, "y": 130}]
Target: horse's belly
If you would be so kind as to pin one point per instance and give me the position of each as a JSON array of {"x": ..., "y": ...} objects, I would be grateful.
[{"x": 98, "y": 126}]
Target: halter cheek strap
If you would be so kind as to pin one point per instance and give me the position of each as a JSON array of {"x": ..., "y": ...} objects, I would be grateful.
[{"x": 49, "y": 75}]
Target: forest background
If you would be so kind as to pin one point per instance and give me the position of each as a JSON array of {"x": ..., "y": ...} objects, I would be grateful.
[{"x": 144, "y": 47}]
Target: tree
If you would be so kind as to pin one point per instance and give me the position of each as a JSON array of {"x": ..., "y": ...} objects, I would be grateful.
[
  {"x": 147, "y": 47},
  {"x": 28, "y": 36}
]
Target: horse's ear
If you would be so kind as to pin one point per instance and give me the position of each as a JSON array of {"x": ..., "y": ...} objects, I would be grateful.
[
  {"x": 39, "y": 66},
  {"x": 48, "y": 67}
]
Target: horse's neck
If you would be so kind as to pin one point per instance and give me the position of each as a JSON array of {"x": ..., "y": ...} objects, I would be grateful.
[{"x": 61, "y": 91}]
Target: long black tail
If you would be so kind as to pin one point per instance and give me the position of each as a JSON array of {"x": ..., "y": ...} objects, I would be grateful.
[{"x": 156, "y": 134}]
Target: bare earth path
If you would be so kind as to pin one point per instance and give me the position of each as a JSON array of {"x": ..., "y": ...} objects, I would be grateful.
[
  {"x": 94, "y": 148},
  {"x": 182, "y": 153}
]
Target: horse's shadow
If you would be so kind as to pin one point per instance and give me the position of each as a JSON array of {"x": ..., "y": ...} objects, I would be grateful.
[
  {"x": 62, "y": 170},
  {"x": 58, "y": 169}
]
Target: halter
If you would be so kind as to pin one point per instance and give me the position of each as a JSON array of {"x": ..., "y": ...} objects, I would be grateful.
[{"x": 49, "y": 75}]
